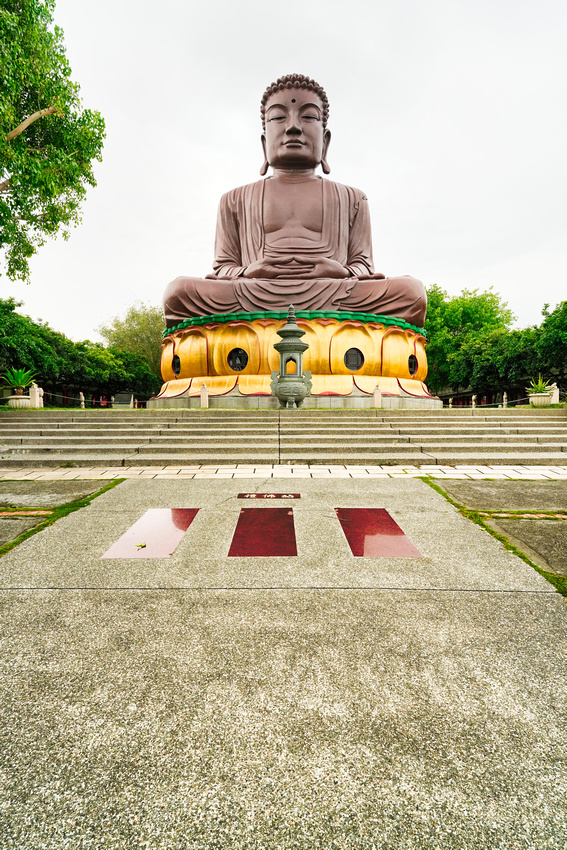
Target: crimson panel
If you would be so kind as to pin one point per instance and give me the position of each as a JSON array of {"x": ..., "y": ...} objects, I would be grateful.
[
  {"x": 155, "y": 535},
  {"x": 372, "y": 533},
  {"x": 264, "y": 532}
]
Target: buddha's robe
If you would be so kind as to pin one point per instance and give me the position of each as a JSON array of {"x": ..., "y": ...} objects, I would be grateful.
[{"x": 345, "y": 237}]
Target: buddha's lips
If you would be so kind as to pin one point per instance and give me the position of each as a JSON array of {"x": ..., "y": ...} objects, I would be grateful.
[{"x": 295, "y": 142}]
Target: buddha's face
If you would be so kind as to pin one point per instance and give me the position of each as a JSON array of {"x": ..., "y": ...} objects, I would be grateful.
[{"x": 294, "y": 136}]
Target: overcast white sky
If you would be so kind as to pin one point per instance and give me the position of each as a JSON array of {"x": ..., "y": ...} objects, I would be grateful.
[{"x": 450, "y": 114}]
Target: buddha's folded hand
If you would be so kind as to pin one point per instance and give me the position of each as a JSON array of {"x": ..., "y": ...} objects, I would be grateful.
[
  {"x": 270, "y": 268},
  {"x": 319, "y": 267}
]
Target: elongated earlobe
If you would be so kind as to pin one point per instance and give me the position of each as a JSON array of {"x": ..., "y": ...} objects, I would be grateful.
[
  {"x": 326, "y": 143},
  {"x": 266, "y": 164}
]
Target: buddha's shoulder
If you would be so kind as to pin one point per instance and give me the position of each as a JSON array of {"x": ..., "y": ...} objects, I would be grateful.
[
  {"x": 249, "y": 191},
  {"x": 240, "y": 193},
  {"x": 353, "y": 194}
]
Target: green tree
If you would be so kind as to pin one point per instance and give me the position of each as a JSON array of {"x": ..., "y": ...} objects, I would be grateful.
[
  {"x": 25, "y": 344},
  {"x": 61, "y": 363},
  {"x": 47, "y": 141},
  {"x": 140, "y": 378},
  {"x": 552, "y": 344},
  {"x": 139, "y": 332},
  {"x": 494, "y": 360},
  {"x": 454, "y": 321}
]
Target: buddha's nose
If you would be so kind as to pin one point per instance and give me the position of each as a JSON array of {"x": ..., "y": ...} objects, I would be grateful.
[{"x": 293, "y": 128}]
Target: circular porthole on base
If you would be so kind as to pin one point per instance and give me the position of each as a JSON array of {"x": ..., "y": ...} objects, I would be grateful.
[
  {"x": 354, "y": 359},
  {"x": 237, "y": 359}
]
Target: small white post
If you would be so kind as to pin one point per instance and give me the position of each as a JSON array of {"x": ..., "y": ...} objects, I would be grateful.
[
  {"x": 554, "y": 393},
  {"x": 34, "y": 396},
  {"x": 473, "y": 401},
  {"x": 82, "y": 398},
  {"x": 505, "y": 400},
  {"x": 451, "y": 402},
  {"x": 204, "y": 396},
  {"x": 377, "y": 397}
]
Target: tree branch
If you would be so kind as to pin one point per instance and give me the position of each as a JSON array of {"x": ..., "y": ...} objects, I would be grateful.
[
  {"x": 5, "y": 185},
  {"x": 30, "y": 120}
]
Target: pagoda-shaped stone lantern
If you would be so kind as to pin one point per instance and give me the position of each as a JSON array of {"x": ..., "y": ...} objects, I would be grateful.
[{"x": 291, "y": 384}]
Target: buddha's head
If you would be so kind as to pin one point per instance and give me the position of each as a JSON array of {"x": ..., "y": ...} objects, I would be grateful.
[{"x": 294, "y": 119}]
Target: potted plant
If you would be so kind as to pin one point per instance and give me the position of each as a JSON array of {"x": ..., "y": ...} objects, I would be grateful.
[
  {"x": 539, "y": 392},
  {"x": 18, "y": 380}
]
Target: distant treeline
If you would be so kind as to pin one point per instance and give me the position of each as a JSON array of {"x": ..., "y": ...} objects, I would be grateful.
[
  {"x": 471, "y": 345},
  {"x": 65, "y": 368}
]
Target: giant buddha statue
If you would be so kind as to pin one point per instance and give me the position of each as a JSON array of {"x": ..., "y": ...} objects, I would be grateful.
[{"x": 292, "y": 238}]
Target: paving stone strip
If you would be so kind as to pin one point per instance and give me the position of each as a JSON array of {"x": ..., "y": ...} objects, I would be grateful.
[{"x": 293, "y": 471}]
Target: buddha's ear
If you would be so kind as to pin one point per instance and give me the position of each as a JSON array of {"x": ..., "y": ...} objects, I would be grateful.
[
  {"x": 265, "y": 164},
  {"x": 326, "y": 142}
]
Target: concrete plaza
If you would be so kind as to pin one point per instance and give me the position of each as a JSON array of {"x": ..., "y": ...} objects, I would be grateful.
[{"x": 315, "y": 701}]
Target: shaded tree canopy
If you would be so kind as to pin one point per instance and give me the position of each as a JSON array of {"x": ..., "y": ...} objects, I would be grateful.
[
  {"x": 58, "y": 362},
  {"x": 453, "y": 321},
  {"x": 552, "y": 343},
  {"x": 47, "y": 141},
  {"x": 139, "y": 332},
  {"x": 471, "y": 344}
]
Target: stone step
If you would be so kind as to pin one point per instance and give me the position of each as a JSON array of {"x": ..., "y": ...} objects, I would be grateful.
[
  {"x": 554, "y": 431},
  {"x": 232, "y": 449},
  {"x": 307, "y": 433},
  {"x": 508, "y": 459},
  {"x": 516, "y": 437},
  {"x": 372, "y": 457},
  {"x": 326, "y": 437},
  {"x": 245, "y": 441},
  {"x": 67, "y": 449},
  {"x": 86, "y": 440},
  {"x": 312, "y": 433},
  {"x": 301, "y": 416}
]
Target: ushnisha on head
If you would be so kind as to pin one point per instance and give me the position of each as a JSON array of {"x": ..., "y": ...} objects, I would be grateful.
[
  {"x": 294, "y": 113},
  {"x": 295, "y": 81}
]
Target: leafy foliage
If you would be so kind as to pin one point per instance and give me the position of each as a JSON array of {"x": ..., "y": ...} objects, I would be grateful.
[
  {"x": 494, "y": 360},
  {"x": 470, "y": 343},
  {"x": 83, "y": 366},
  {"x": 551, "y": 345},
  {"x": 139, "y": 332},
  {"x": 460, "y": 322},
  {"x": 538, "y": 385},
  {"x": 18, "y": 378},
  {"x": 47, "y": 141}
]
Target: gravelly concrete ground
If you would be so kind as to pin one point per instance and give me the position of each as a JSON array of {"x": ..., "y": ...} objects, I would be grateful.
[
  {"x": 40, "y": 494},
  {"x": 365, "y": 703},
  {"x": 542, "y": 540}
]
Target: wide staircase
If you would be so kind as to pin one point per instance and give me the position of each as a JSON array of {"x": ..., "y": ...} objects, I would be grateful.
[{"x": 217, "y": 437}]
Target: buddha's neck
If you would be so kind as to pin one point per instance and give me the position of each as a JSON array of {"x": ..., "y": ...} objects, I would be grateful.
[{"x": 294, "y": 175}]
